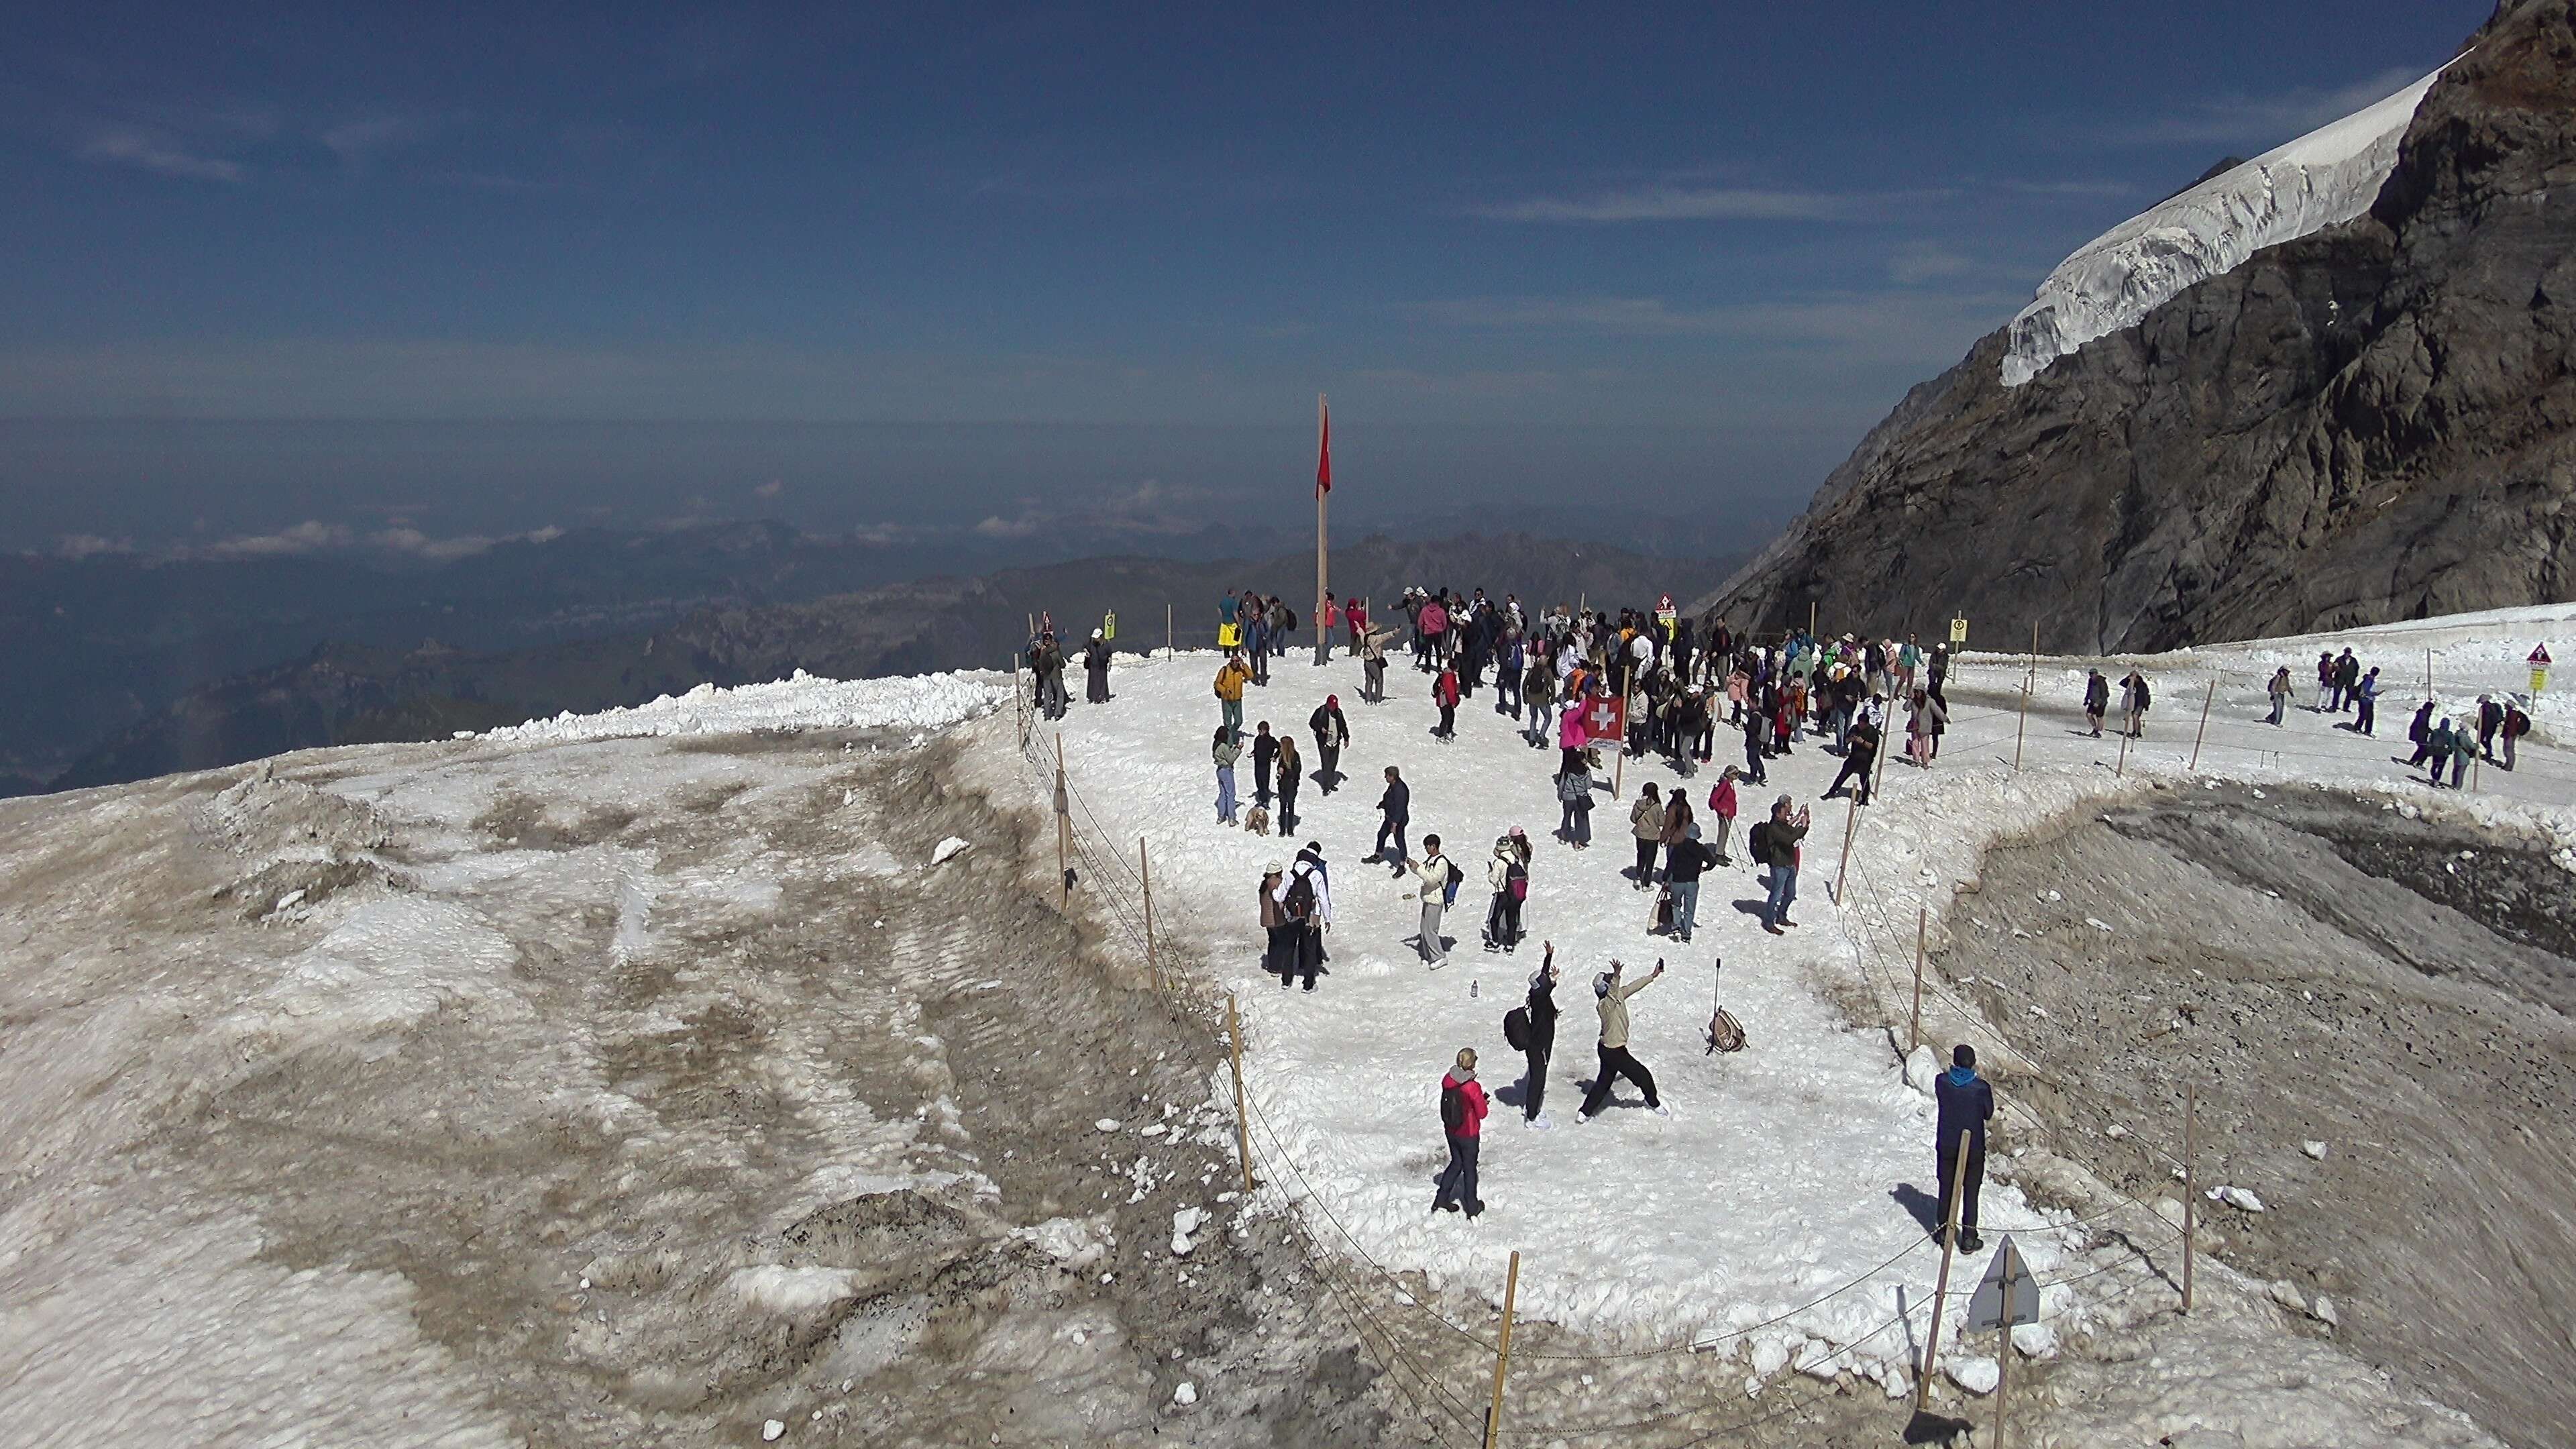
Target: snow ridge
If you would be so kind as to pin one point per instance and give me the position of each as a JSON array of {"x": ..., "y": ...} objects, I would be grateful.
[{"x": 2322, "y": 179}]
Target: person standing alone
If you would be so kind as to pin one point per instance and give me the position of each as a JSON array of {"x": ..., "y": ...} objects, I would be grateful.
[
  {"x": 1331, "y": 732},
  {"x": 1965, "y": 1102},
  {"x": 1397, "y": 806},
  {"x": 1538, "y": 1040},
  {"x": 1462, "y": 1122},
  {"x": 1437, "y": 877},
  {"x": 1612, "y": 1000}
]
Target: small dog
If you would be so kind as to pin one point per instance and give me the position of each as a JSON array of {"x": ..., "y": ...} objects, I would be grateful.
[{"x": 1257, "y": 820}]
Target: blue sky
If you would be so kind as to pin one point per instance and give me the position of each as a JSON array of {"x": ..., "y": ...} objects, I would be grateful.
[{"x": 1720, "y": 239}]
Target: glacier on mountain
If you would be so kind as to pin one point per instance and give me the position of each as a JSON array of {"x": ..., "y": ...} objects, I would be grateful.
[{"x": 2326, "y": 177}]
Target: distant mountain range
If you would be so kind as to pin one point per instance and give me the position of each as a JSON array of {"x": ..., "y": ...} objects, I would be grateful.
[{"x": 613, "y": 643}]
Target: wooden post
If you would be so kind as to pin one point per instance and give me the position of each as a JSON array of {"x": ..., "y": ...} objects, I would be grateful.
[
  {"x": 1242, "y": 1120},
  {"x": 2205, "y": 701},
  {"x": 2003, "y": 1350},
  {"x": 2190, "y": 1185},
  {"x": 1063, "y": 828},
  {"x": 1878, "y": 768},
  {"x": 2428, "y": 674},
  {"x": 2030, "y": 683},
  {"x": 1619, "y": 764},
  {"x": 1851, "y": 825},
  {"x": 2123, "y": 768},
  {"x": 1145, "y": 875},
  {"x": 2023, "y": 727},
  {"x": 1811, "y": 618},
  {"x": 1941, "y": 1284},
  {"x": 1503, "y": 1353},
  {"x": 1922, "y": 923},
  {"x": 1171, "y": 649}
]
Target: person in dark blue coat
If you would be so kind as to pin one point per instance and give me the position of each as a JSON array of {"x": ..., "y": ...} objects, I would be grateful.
[{"x": 1966, "y": 1101}]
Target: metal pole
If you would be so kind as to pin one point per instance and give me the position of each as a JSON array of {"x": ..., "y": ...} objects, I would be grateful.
[
  {"x": 2003, "y": 1350},
  {"x": 1242, "y": 1120},
  {"x": 2190, "y": 1184},
  {"x": 1503, "y": 1353},
  {"x": 2205, "y": 701},
  {"x": 1922, "y": 923},
  {"x": 1941, "y": 1284},
  {"x": 1169, "y": 647},
  {"x": 2023, "y": 727}
]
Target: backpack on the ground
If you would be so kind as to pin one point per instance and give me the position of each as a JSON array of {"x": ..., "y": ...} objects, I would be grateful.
[
  {"x": 1299, "y": 903},
  {"x": 1725, "y": 1033},
  {"x": 1516, "y": 1028},
  {"x": 1453, "y": 1109}
]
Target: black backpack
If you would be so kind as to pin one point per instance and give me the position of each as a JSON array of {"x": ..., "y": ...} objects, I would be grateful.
[
  {"x": 1760, "y": 840},
  {"x": 1516, "y": 1028},
  {"x": 1299, "y": 903},
  {"x": 1449, "y": 891},
  {"x": 1453, "y": 1108}
]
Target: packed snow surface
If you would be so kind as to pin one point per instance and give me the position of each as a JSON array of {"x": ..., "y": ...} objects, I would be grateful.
[
  {"x": 802, "y": 702},
  {"x": 2322, "y": 179}
]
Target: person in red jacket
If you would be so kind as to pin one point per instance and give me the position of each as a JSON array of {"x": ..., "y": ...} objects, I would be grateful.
[
  {"x": 1462, "y": 1119},
  {"x": 1721, "y": 804},
  {"x": 1444, "y": 693}
]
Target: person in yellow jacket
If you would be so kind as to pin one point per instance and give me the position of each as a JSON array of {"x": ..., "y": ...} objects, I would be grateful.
[
  {"x": 1231, "y": 676},
  {"x": 1612, "y": 999}
]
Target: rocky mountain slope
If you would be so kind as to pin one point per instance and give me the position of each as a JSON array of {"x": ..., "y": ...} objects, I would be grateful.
[
  {"x": 2373, "y": 421},
  {"x": 353, "y": 693}
]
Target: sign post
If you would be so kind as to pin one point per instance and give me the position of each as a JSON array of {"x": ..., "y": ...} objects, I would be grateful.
[
  {"x": 2539, "y": 668},
  {"x": 2008, "y": 1296}
]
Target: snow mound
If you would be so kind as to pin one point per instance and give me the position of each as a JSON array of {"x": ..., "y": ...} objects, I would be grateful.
[
  {"x": 2322, "y": 179},
  {"x": 802, "y": 702}
]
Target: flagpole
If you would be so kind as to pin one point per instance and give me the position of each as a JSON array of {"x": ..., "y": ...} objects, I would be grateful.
[{"x": 1323, "y": 491}]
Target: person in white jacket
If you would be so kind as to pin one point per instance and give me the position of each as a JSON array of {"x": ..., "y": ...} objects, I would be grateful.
[
  {"x": 1612, "y": 999},
  {"x": 1431, "y": 874}
]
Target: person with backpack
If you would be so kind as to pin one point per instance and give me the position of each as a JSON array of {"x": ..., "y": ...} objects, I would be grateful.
[
  {"x": 1775, "y": 844},
  {"x": 1530, "y": 1028},
  {"x": 2133, "y": 704},
  {"x": 1574, "y": 792},
  {"x": 1226, "y": 752},
  {"x": 2516, "y": 725},
  {"x": 1305, "y": 898},
  {"x": 1722, "y": 807},
  {"x": 1331, "y": 732},
  {"x": 2279, "y": 690},
  {"x": 1965, "y": 1102},
  {"x": 1462, "y": 1122},
  {"x": 1372, "y": 651},
  {"x": 1438, "y": 879},
  {"x": 2436, "y": 751},
  {"x": 2366, "y": 690},
  {"x": 1610, "y": 998},
  {"x": 2097, "y": 700},
  {"x": 2490, "y": 720},
  {"x": 1646, "y": 823},
  {"x": 1508, "y": 874},
  {"x": 1444, "y": 693},
  {"x": 1291, "y": 776},
  {"x": 1397, "y": 806},
  {"x": 1231, "y": 676}
]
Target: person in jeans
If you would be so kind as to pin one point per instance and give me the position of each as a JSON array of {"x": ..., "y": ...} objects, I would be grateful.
[
  {"x": 1462, "y": 1122},
  {"x": 1965, "y": 1102},
  {"x": 1684, "y": 860},
  {"x": 1646, "y": 823},
  {"x": 1226, "y": 751},
  {"x": 1574, "y": 792},
  {"x": 1777, "y": 848},
  {"x": 2279, "y": 690},
  {"x": 1611, "y": 999}
]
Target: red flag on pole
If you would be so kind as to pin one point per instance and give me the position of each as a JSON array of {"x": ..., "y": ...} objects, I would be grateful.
[{"x": 1323, "y": 448}]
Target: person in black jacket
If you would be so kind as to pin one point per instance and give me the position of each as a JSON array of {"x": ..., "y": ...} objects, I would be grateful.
[
  {"x": 1684, "y": 860},
  {"x": 1397, "y": 805},
  {"x": 1095, "y": 664},
  {"x": 1542, "y": 1040},
  {"x": 1860, "y": 751},
  {"x": 1331, "y": 733},
  {"x": 1265, "y": 749},
  {"x": 1965, "y": 1102}
]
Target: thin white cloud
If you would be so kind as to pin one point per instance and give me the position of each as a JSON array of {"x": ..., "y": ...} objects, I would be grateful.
[
  {"x": 1681, "y": 203},
  {"x": 360, "y": 142},
  {"x": 2258, "y": 123},
  {"x": 77, "y": 546},
  {"x": 151, "y": 151},
  {"x": 1925, "y": 325},
  {"x": 770, "y": 489},
  {"x": 314, "y": 536}
]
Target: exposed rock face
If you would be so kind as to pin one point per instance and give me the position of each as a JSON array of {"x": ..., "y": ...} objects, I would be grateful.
[{"x": 2377, "y": 421}]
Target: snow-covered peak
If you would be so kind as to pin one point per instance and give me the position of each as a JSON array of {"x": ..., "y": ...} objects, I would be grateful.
[{"x": 2322, "y": 179}]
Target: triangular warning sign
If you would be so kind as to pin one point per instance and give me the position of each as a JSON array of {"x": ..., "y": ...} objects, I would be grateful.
[
  {"x": 2540, "y": 654},
  {"x": 2008, "y": 1295}
]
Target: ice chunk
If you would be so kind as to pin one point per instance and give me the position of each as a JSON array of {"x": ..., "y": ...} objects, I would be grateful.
[
  {"x": 1976, "y": 1375},
  {"x": 1184, "y": 1223},
  {"x": 1185, "y": 1394},
  {"x": 946, "y": 850},
  {"x": 770, "y": 1430},
  {"x": 2316, "y": 1150}
]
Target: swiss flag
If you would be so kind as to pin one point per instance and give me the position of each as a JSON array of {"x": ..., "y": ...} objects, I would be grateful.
[
  {"x": 1606, "y": 718},
  {"x": 1323, "y": 447}
]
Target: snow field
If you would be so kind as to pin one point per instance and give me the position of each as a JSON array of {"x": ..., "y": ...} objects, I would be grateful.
[{"x": 1774, "y": 1185}]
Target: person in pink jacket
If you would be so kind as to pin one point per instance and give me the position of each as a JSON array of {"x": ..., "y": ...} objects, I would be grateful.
[
  {"x": 1571, "y": 736},
  {"x": 1721, "y": 805}
]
